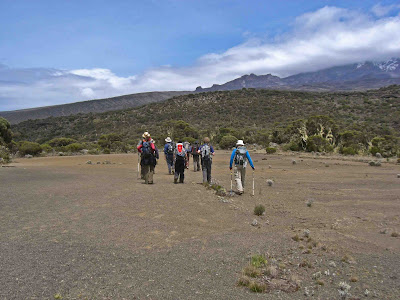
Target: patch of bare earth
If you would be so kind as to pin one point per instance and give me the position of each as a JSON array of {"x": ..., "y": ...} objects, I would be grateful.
[{"x": 95, "y": 231}]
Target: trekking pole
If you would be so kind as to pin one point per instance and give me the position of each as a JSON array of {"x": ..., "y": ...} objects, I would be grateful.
[
  {"x": 231, "y": 191},
  {"x": 253, "y": 184},
  {"x": 138, "y": 165}
]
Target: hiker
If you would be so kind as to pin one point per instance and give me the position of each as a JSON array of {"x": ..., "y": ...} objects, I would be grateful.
[
  {"x": 156, "y": 155},
  {"x": 240, "y": 156},
  {"x": 188, "y": 149},
  {"x": 206, "y": 151},
  {"x": 169, "y": 154},
  {"x": 147, "y": 153},
  {"x": 180, "y": 158},
  {"x": 196, "y": 156}
]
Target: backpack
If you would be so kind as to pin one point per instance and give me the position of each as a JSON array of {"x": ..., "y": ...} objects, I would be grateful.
[
  {"x": 240, "y": 156},
  {"x": 146, "y": 150},
  {"x": 170, "y": 149},
  {"x": 180, "y": 151},
  {"x": 195, "y": 148},
  {"x": 205, "y": 152}
]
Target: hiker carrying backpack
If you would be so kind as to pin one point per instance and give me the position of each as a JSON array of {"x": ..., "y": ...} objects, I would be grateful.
[
  {"x": 169, "y": 154},
  {"x": 196, "y": 156},
  {"x": 206, "y": 151},
  {"x": 147, "y": 150},
  {"x": 180, "y": 162},
  {"x": 240, "y": 156}
]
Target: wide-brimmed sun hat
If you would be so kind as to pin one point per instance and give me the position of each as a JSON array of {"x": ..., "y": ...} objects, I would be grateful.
[
  {"x": 146, "y": 134},
  {"x": 240, "y": 143},
  {"x": 168, "y": 140}
]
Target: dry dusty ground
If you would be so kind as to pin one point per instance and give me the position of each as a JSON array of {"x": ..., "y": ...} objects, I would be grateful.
[{"x": 80, "y": 231}]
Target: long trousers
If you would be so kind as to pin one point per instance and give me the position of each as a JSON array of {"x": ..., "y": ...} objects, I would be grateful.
[
  {"x": 206, "y": 166},
  {"x": 170, "y": 163},
  {"x": 179, "y": 171},
  {"x": 196, "y": 163},
  {"x": 240, "y": 174},
  {"x": 148, "y": 171}
]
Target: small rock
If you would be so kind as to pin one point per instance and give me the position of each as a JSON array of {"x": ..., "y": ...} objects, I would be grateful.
[
  {"x": 269, "y": 167},
  {"x": 383, "y": 231},
  {"x": 378, "y": 155},
  {"x": 28, "y": 156},
  {"x": 332, "y": 264},
  {"x": 398, "y": 175},
  {"x": 270, "y": 182},
  {"x": 366, "y": 293},
  {"x": 306, "y": 233},
  {"x": 107, "y": 162},
  {"x": 89, "y": 162},
  {"x": 254, "y": 223},
  {"x": 316, "y": 275},
  {"x": 99, "y": 163},
  {"x": 294, "y": 162}
]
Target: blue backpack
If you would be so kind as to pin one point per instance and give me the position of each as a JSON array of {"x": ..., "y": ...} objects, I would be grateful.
[{"x": 146, "y": 150}]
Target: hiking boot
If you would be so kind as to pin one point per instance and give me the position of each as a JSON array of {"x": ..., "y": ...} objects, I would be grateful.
[{"x": 175, "y": 180}]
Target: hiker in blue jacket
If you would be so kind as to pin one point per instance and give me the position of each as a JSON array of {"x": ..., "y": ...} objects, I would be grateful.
[
  {"x": 169, "y": 154},
  {"x": 206, "y": 151},
  {"x": 240, "y": 156}
]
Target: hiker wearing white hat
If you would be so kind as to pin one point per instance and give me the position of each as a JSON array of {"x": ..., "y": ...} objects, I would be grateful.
[
  {"x": 240, "y": 156},
  {"x": 169, "y": 154}
]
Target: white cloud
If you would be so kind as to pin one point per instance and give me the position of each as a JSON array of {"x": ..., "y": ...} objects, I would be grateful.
[
  {"x": 326, "y": 37},
  {"x": 382, "y": 10}
]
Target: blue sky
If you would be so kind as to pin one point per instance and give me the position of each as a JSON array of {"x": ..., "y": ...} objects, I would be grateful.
[{"x": 137, "y": 46}]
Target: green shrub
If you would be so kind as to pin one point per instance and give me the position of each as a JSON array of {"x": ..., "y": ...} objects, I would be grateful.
[
  {"x": 31, "y": 148},
  {"x": 228, "y": 142},
  {"x": 61, "y": 142},
  {"x": 74, "y": 147},
  {"x": 259, "y": 210},
  {"x": 258, "y": 261},
  {"x": 46, "y": 148},
  {"x": 348, "y": 151},
  {"x": 4, "y": 155},
  {"x": 270, "y": 150},
  {"x": 317, "y": 143}
]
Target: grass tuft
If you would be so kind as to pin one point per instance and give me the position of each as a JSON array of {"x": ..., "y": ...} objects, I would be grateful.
[
  {"x": 259, "y": 210},
  {"x": 251, "y": 271},
  {"x": 258, "y": 261},
  {"x": 257, "y": 287}
]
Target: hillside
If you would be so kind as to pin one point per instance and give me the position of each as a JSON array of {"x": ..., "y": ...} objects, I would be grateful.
[
  {"x": 250, "y": 110},
  {"x": 91, "y": 106},
  {"x": 352, "y": 77}
]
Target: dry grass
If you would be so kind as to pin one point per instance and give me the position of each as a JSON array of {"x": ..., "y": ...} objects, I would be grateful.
[{"x": 251, "y": 271}]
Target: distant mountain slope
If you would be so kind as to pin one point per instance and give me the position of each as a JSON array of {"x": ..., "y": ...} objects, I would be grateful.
[
  {"x": 250, "y": 109},
  {"x": 360, "y": 76},
  {"x": 91, "y": 106}
]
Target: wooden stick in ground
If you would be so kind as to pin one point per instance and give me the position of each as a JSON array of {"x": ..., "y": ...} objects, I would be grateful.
[{"x": 253, "y": 184}]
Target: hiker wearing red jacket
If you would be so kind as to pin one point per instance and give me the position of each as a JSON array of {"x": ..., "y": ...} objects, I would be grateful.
[{"x": 147, "y": 150}]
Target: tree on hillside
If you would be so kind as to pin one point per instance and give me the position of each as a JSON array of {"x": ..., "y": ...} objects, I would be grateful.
[{"x": 5, "y": 132}]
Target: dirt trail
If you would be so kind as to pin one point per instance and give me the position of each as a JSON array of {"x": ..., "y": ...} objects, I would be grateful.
[{"x": 96, "y": 231}]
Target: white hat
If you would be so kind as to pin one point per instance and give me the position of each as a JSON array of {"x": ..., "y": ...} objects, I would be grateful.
[
  {"x": 168, "y": 140},
  {"x": 240, "y": 143},
  {"x": 146, "y": 134}
]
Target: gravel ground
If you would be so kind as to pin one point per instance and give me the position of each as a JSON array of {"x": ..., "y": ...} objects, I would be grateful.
[{"x": 79, "y": 231}]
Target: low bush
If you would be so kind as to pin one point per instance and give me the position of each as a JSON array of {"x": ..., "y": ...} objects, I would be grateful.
[
  {"x": 348, "y": 151},
  {"x": 259, "y": 210},
  {"x": 74, "y": 147},
  {"x": 31, "y": 148},
  {"x": 270, "y": 150},
  {"x": 228, "y": 142}
]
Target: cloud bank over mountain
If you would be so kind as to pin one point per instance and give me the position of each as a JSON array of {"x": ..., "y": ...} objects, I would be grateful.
[{"x": 327, "y": 37}]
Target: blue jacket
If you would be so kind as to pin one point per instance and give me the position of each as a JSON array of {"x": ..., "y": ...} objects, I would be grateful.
[{"x": 247, "y": 155}]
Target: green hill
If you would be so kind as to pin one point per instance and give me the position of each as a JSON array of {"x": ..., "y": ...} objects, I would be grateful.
[{"x": 255, "y": 115}]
